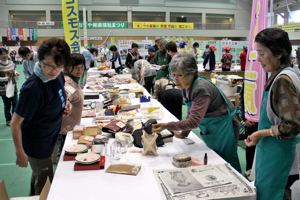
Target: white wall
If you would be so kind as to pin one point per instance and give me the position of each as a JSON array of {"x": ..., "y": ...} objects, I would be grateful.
[{"x": 241, "y": 16}]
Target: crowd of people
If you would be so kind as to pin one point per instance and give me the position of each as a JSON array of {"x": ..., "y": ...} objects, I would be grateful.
[{"x": 50, "y": 104}]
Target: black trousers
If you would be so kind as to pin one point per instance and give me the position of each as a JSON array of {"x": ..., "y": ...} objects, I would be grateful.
[
  {"x": 149, "y": 83},
  {"x": 250, "y": 151},
  {"x": 9, "y": 106}
]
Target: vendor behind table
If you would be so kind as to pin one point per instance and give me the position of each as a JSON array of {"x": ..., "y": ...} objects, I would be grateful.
[{"x": 208, "y": 108}]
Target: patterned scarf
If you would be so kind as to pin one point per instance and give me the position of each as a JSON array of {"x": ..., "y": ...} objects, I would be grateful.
[{"x": 38, "y": 71}]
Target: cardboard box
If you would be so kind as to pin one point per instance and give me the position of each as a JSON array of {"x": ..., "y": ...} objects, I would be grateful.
[
  {"x": 78, "y": 131},
  {"x": 42, "y": 196},
  {"x": 92, "y": 131}
]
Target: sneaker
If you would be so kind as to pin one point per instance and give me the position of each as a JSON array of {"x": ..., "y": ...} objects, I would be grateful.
[{"x": 247, "y": 174}]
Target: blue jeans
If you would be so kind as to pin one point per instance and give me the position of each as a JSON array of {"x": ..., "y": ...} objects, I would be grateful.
[{"x": 9, "y": 106}]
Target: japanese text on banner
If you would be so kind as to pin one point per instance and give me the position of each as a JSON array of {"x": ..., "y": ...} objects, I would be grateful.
[
  {"x": 31, "y": 36},
  {"x": 25, "y": 34},
  {"x": 254, "y": 74},
  {"x": 13, "y": 34},
  {"x": 20, "y": 32},
  {"x": 8, "y": 32},
  {"x": 163, "y": 25},
  {"x": 71, "y": 26}
]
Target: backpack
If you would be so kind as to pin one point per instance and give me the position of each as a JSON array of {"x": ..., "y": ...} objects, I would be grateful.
[{"x": 171, "y": 98}]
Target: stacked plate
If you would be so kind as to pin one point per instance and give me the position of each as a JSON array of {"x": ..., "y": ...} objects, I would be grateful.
[
  {"x": 87, "y": 158},
  {"x": 76, "y": 148}
]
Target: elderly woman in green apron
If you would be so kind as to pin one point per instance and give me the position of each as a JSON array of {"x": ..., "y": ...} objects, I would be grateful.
[
  {"x": 208, "y": 108},
  {"x": 162, "y": 58},
  {"x": 277, "y": 138}
]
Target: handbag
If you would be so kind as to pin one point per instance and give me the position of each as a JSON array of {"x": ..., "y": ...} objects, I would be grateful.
[
  {"x": 10, "y": 89},
  {"x": 114, "y": 126}
]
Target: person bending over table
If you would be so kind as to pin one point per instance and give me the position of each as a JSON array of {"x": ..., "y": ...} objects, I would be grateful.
[
  {"x": 208, "y": 108},
  {"x": 75, "y": 97},
  {"x": 38, "y": 115},
  {"x": 277, "y": 138}
]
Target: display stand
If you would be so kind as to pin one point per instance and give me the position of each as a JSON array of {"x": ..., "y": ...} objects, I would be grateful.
[{"x": 149, "y": 143}]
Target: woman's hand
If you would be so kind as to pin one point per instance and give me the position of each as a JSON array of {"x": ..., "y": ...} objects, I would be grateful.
[
  {"x": 178, "y": 134},
  {"x": 253, "y": 139},
  {"x": 157, "y": 128},
  {"x": 17, "y": 74},
  {"x": 67, "y": 110},
  {"x": 249, "y": 124}
]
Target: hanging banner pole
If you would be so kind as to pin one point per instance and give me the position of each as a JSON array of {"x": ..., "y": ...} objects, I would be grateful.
[
  {"x": 70, "y": 16},
  {"x": 84, "y": 28},
  {"x": 255, "y": 77}
]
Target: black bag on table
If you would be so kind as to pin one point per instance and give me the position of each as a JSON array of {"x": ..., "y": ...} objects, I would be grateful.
[{"x": 147, "y": 127}]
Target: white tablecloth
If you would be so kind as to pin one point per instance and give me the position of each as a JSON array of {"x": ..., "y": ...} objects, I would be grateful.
[{"x": 96, "y": 184}]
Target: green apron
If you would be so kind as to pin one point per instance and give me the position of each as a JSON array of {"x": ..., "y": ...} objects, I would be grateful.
[
  {"x": 218, "y": 133},
  {"x": 274, "y": 159},
  {"x": 162, "y": 61}
]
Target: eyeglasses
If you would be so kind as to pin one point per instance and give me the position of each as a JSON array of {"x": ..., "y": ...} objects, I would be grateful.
[
  {"x": 49, "y": 67},
  {"x": 176, "y": 76}
]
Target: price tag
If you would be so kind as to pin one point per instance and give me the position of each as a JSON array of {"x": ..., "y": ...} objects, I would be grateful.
[{"x": 120, "y": 124}]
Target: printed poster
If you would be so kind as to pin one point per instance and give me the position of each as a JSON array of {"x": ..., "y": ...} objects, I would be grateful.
[{"x": 255, "y": 77}]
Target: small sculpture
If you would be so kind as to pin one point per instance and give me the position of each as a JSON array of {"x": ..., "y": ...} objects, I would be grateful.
[{"x": 149, "y": 143}]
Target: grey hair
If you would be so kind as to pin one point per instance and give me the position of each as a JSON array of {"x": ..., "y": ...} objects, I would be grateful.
[
  {"x": 185, "y": 63},
  {"x": 161, "y": 40}
]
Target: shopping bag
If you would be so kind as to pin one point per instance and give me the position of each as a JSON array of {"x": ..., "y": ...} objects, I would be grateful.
[
  {"x": 207, "y": 66},
  {"x": 10, "y": 89},
  {"x": 117, "y": 64}
]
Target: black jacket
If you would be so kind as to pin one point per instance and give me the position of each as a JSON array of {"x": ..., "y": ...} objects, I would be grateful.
[{"x": 212, "y": 61}]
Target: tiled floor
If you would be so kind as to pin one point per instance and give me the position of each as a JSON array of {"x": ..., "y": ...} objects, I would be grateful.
[{"x": 17, "y": 179}]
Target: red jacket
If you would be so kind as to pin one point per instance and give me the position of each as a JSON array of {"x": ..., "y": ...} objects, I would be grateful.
[{"x": 243, "y": 57}]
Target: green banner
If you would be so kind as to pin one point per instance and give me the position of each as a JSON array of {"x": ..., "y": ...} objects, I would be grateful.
[
  {"x": 35, "y": 34},
  {"x": 110, "y": 25}
]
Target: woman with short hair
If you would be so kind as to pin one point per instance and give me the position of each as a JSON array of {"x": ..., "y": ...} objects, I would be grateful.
[
  {"x": 75, "y": 97},
  {"x": 208, "y": 108},
  {"x": 132, "y": 55},
  {"x": 8, "y": 73},
  {"x": 193, "y": 50},
  {"x": 116, "y": 59},
  {"x": 172, "y": 51},
  {"x": 278, "y": 148},
  {"x": 38, "y": 115}
]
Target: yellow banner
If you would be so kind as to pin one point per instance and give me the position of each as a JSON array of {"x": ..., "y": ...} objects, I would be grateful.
[
  {"x": 25, "y": 35},
  {"x": 70, "y": 16},
  {"x": 163, "y": 25},
  {"x": 112, "y": 40}
]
